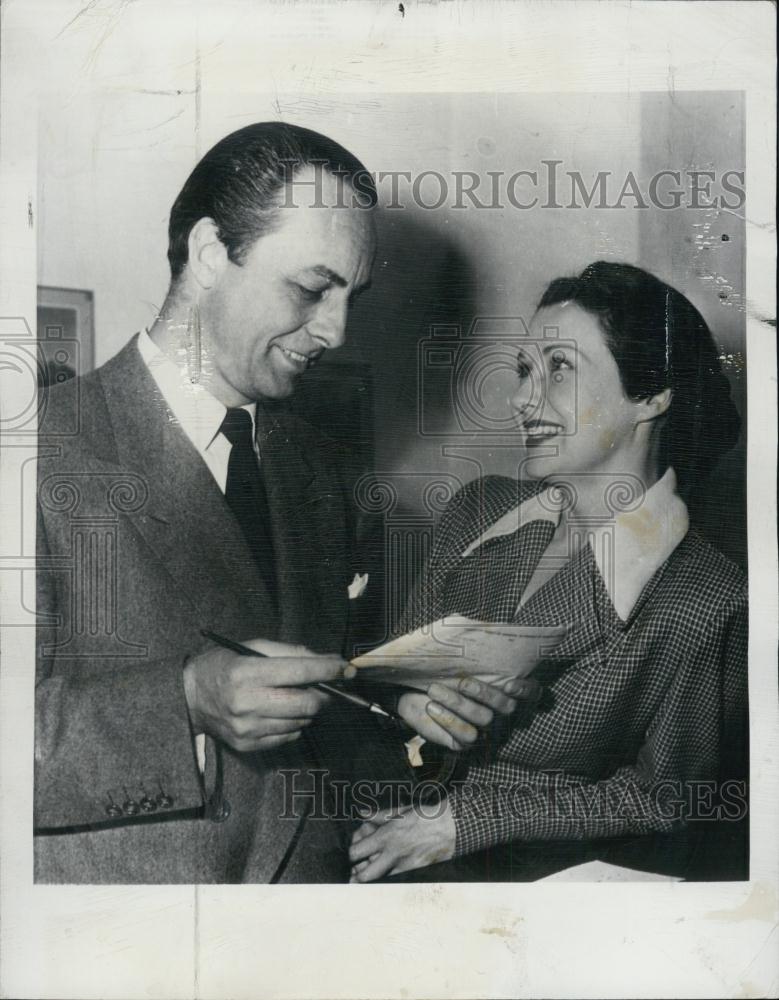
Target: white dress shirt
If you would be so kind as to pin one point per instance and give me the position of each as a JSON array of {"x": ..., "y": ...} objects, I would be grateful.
[{"x": 200, "y": 415}]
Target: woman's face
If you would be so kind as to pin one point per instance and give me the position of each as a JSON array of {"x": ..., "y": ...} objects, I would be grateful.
[{"x": 569, "y": 403}]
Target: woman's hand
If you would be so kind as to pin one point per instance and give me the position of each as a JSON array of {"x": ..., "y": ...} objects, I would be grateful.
[
  {"x": 453, "y": 718},
  {"x": 394, "y": 841}
]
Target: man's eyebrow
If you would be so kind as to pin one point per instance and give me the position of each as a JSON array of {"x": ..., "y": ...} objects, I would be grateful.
[
  {"x": 336, "y": 279},
  {"x": 332, "y": 276}
]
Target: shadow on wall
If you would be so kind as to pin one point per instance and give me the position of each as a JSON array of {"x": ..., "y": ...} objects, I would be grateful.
[{"x": 423, "y": 280}]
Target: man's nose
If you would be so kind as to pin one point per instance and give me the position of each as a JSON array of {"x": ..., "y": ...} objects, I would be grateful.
[{"x": 328, "y": 325}]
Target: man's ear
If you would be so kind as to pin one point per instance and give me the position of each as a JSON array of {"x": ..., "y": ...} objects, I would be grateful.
[
  {"x": 655, "y": 406},
  {"x": 207, "y": 254}
]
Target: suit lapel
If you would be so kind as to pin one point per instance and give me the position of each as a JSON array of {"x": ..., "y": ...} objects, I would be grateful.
[{"x": 185, "y": 521}]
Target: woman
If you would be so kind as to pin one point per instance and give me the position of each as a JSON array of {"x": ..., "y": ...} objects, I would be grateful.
[{"x": 621, "y": 408}]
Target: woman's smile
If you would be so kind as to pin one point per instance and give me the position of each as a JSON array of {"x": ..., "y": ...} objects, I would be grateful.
[{"x": 540, "y": 431}]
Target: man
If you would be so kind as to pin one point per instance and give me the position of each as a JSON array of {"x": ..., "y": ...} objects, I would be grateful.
[{"x": 179, "y": 505}]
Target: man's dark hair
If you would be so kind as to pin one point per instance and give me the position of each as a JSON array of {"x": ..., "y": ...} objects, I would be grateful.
[
  {"x": 660, "y": 341},
  {"x": 238, "y": 182}
]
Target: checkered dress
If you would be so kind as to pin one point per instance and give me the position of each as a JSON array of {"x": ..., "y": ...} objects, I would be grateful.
[{"x": 633, "y": 711}]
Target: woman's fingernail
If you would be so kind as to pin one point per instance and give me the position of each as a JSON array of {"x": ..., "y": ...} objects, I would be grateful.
[
  {"x": 470, "y": 687},
  {"x": 434, "y": 708}
]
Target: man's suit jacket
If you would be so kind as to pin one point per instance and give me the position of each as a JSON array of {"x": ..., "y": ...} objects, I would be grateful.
[{"x": 138, "y": 551}]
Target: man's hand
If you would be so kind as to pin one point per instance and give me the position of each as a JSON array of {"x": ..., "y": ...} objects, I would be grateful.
[
  {"x": 257, "y": 704},
  {"x": 394, "y": 841},
  {"x": 453, "y": 717}
]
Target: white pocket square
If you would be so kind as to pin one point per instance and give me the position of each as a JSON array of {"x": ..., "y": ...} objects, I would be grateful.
[{"x": 357, "y": 587}]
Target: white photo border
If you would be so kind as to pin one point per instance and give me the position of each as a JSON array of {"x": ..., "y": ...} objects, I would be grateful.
[{"x": 419, "y": 940}]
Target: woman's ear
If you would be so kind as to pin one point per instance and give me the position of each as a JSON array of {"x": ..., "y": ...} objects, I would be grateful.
[
  {"x": 207, "y": 253},
  {"x": 655, "y": 406}
]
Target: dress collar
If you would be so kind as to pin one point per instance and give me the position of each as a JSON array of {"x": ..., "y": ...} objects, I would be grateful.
[{"x": 628, "y": 550}]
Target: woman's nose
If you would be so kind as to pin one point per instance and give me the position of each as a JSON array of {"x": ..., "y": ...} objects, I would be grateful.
[{"x": 527, "y": 397}]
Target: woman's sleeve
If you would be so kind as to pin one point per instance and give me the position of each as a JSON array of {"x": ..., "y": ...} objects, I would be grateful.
[{"x": 695, "y": 743}]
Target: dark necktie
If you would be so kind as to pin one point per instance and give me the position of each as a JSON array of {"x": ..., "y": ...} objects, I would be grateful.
[{"x": 245, "y": 494}]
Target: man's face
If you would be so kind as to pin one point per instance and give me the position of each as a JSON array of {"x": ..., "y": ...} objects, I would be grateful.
[{"x": 266, "y": 320}]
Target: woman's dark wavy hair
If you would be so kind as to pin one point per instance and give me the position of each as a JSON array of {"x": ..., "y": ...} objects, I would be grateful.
[
  {"x": 660, "y": 341},
  {"x": 238, "y": 181}
]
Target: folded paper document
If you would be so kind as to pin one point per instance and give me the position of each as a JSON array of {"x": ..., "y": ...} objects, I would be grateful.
[
  {"x": 602, "y": 871},
  {"x": 457, "y": 647}
]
